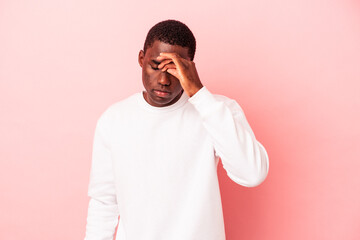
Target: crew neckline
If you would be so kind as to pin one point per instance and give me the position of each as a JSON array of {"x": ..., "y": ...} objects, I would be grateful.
[{"x": 180, "y": 102}]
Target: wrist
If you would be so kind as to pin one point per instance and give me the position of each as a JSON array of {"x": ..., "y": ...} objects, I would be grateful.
[{"x": 195, "y": 90}]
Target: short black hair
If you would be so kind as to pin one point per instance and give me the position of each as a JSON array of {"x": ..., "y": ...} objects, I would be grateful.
[{"x": 172, "y": 32}]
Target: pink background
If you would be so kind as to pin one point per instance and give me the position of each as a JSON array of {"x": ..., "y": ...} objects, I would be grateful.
[{"x": 293, "y": 66}]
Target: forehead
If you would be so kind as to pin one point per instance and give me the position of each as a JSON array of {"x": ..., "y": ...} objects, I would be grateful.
[{"x": 158, "y": 47}]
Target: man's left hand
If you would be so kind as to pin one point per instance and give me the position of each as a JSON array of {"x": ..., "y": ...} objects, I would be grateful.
[{"x": 182, "y": 69}]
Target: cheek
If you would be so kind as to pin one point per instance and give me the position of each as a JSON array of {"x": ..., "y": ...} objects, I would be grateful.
[
  {"x": 176, "y": 82},
  {"x": 148, "y": 75}
]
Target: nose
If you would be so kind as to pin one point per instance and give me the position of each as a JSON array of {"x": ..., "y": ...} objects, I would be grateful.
[{"x": 164, "y": 78}]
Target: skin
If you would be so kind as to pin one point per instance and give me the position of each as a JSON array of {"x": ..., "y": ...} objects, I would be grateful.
[{"x": 167, "y": 67}]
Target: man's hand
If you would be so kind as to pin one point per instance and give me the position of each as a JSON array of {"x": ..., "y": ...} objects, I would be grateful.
[{"x": 182, "y": 69}]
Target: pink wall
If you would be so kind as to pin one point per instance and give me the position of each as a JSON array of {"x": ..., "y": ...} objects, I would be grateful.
[{"x": 292, "y": 65}]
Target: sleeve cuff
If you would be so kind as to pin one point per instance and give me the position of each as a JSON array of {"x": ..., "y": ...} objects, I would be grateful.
[{"x": 202, "y": 96}]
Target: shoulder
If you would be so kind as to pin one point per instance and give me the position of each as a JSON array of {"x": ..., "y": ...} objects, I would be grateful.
[
  {"x": 222, "y": 98},
  {"x": 116, "y": 109},
  {"x": 231, "y": 103}
]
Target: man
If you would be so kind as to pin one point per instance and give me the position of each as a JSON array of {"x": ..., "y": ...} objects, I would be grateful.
[{"x": 155, "y": 153}]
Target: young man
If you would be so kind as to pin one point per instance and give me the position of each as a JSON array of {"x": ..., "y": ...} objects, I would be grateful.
[{"x": 155, "y": 153}]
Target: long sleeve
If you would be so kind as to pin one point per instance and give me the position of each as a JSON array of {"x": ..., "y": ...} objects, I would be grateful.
[
  {"x": 102, "y": 210},
  {"x": 243, "y": 157}
]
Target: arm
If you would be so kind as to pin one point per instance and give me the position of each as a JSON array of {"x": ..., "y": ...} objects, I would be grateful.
[
  {"x": 102, "y": 211},
  {"x": 244, "y": 158}
]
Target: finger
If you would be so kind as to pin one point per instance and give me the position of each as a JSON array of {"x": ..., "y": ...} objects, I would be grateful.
[
  {"x": 168, "y": 66},
  {"x": 174, "y": 56},
  {"x": 173, "y": 72},
  {"x": 163, "y": 58},
  {"x": 161, "y": 65}
]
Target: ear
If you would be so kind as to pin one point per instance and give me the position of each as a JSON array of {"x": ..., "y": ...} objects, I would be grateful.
[{"x": 141, "y": 58}]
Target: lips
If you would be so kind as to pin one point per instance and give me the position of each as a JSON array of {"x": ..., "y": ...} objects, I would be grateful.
[{"x": 161, "y": 93}]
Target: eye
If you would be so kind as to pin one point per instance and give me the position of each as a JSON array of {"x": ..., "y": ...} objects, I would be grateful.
[{"x": 154, "y": 68}]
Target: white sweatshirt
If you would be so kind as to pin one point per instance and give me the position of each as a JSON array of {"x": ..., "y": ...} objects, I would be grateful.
[{"x": 156, "y": 167}]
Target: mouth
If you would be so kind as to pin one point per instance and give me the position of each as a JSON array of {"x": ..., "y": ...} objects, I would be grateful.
[{"x": 161, "y": 93}]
